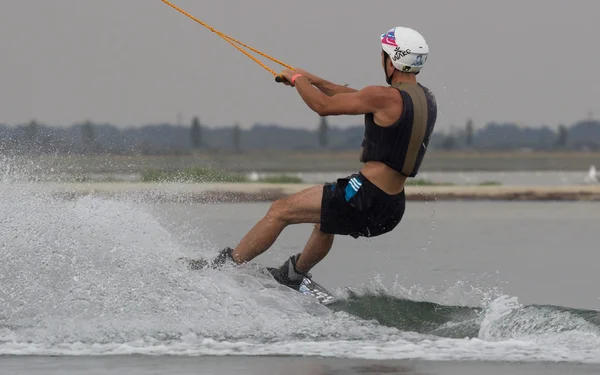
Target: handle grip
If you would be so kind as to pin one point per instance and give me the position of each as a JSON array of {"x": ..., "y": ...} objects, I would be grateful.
[{"x": 280, "y": 79}]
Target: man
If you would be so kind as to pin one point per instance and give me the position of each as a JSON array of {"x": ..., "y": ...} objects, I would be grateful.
[{"x": 399, "y": 120}]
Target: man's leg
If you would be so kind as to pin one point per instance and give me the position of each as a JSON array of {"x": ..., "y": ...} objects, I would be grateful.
[
  {"x": 316, "y": 249},
  {"x": 302, "y": 207}
]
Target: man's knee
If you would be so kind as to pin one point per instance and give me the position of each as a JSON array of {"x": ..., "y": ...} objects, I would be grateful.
[
  {"x": 302, "y": 207},
  {"x": 280, "y": 210},
  {"x": 287, "y": 212}
]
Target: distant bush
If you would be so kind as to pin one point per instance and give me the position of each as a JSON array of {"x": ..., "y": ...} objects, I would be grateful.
[
  {"x": 489, "y": 183},
  {"x": 423, "y": 182},
  {"x": 283, "y": 179}
]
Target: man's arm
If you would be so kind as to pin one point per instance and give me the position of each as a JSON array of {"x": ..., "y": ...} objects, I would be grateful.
[
  {"x": 368, "y": 100},
  {"x": 326, "y": 87},
  {"x": 331, "y": 89}
]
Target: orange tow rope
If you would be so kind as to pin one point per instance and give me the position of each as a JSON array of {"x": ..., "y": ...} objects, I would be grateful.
[{"x": 232, "y": 41}]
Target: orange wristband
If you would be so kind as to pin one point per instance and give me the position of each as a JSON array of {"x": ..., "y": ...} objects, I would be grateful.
[{"x": 294, "y": 78}]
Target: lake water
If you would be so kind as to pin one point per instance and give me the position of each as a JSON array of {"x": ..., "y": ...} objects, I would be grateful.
[{"x": 95, "y": 286}]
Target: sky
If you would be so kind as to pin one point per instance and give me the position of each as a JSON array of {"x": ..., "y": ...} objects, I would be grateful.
[{"x": 137, "y": 62}]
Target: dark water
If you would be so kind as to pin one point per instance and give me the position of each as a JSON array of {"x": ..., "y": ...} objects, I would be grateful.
[
  {"x": 94, "y": 286},
  {"x": 461, "y": 321}
]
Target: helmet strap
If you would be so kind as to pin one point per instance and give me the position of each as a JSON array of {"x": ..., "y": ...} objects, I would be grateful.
[{"x": 388, "y": 79}]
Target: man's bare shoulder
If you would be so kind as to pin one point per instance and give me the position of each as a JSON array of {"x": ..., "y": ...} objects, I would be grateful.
[{"x": 381, "y": 94}]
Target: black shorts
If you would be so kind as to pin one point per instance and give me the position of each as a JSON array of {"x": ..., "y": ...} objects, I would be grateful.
[{"x": 354, "y": 206}]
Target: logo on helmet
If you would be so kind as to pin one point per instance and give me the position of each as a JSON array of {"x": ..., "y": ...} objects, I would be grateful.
[
  {"x": 400, "y": 53},
  {"x": 389, "y": 38},
  {"x": 420, "y": 60}
]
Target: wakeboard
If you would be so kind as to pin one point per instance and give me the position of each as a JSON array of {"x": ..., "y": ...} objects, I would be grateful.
[
  {"x": 311, "y": 288},
  {"x": 308, "y": 287}
]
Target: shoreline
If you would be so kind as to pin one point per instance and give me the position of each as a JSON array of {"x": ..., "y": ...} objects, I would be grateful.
[
  {"x": 293, "y": 161},
  {"x": 266, "y": 192}
]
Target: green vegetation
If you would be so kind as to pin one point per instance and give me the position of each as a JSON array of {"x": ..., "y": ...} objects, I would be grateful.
[
  {"x": 489, "y": 183},
  {"x": 283, "y": 179},
  {"x": 191, "y": 175},
  {"x": 423, "y": 182}
]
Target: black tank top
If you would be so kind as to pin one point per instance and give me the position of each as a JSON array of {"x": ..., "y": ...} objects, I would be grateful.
[{"x": 402, "y": 145}]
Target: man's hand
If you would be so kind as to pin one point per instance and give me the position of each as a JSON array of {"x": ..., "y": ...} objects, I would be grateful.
[
  {"x": 311, "y": 77},
  {"x": 288, "y": 75}
]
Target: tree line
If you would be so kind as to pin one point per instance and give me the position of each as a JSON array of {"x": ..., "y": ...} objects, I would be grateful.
[{"x": 94, "y": 138}]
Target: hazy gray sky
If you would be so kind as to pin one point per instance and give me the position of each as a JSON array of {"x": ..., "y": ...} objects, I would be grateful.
[{"x": 132, "y": 62}]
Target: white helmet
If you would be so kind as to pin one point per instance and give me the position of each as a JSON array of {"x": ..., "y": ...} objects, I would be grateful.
[{"x": 407, "y": 49}]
